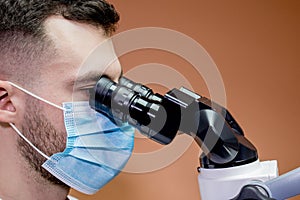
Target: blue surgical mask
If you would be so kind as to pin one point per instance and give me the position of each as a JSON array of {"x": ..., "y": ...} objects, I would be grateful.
[{"x": 96, "y": 151}]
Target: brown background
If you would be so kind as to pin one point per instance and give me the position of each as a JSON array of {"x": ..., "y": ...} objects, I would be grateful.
[{"x": 256, "y": 47}]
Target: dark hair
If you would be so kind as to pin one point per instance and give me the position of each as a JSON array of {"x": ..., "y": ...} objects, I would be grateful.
[
  {"x": 23, "y": 42},
  {"x": 28, "y": 15}
]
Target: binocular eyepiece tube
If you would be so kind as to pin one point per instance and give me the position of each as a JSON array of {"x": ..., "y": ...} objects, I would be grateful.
[{"x": 132, "y": 103}]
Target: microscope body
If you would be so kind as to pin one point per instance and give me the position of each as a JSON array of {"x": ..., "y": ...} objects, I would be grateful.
[{"x": 228, "y": 161}]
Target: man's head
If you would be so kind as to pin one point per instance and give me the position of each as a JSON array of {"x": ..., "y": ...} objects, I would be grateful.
[{"x": 43, "y": 45}]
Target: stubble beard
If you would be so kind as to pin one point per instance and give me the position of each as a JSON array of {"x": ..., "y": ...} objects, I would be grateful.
[{"x": 41, "y": 133}]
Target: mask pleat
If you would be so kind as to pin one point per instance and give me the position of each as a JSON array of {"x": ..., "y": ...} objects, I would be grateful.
[
  {"x": 111, "y": 159},
  {"x": 112, "y": 140},
  {"x": 82, "y": 176}
]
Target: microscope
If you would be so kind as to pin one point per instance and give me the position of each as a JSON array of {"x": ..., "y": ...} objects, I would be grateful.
[{"x": 229, "y": 163}]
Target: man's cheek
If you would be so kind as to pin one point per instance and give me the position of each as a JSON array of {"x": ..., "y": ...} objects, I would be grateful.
[{"x": 56, "y": 118}]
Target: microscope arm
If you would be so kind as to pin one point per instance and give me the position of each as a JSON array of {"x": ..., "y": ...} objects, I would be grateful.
[
  {"x": 282, "y": 187},
  {"x": 214, "y": 129}
]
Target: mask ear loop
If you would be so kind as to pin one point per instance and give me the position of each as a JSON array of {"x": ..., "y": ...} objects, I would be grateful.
[
  {"x": 24, "y": 138},
  {"x": 37, "y": 97}
]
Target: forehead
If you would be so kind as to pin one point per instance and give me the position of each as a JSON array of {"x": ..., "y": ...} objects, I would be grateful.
[
  {"x": 81, "y": 47},
  {"x": 72, "y": 36}
]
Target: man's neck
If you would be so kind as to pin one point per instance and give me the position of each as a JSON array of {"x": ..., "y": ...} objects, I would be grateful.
[{"x": 19, "y": 181}]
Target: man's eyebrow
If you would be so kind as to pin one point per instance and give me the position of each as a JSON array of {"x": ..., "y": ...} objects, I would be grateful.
[{"x": 93, "y": 76}]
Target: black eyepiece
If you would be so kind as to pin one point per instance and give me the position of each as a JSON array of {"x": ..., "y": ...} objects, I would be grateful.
[{"x": 152, "y": 118}]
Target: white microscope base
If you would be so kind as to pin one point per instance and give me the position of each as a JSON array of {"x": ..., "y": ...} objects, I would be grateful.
[{"x": 225, "y": 184}]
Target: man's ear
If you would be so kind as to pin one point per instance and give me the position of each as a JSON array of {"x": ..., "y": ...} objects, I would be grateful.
[{"x": 7, "y": 108}]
